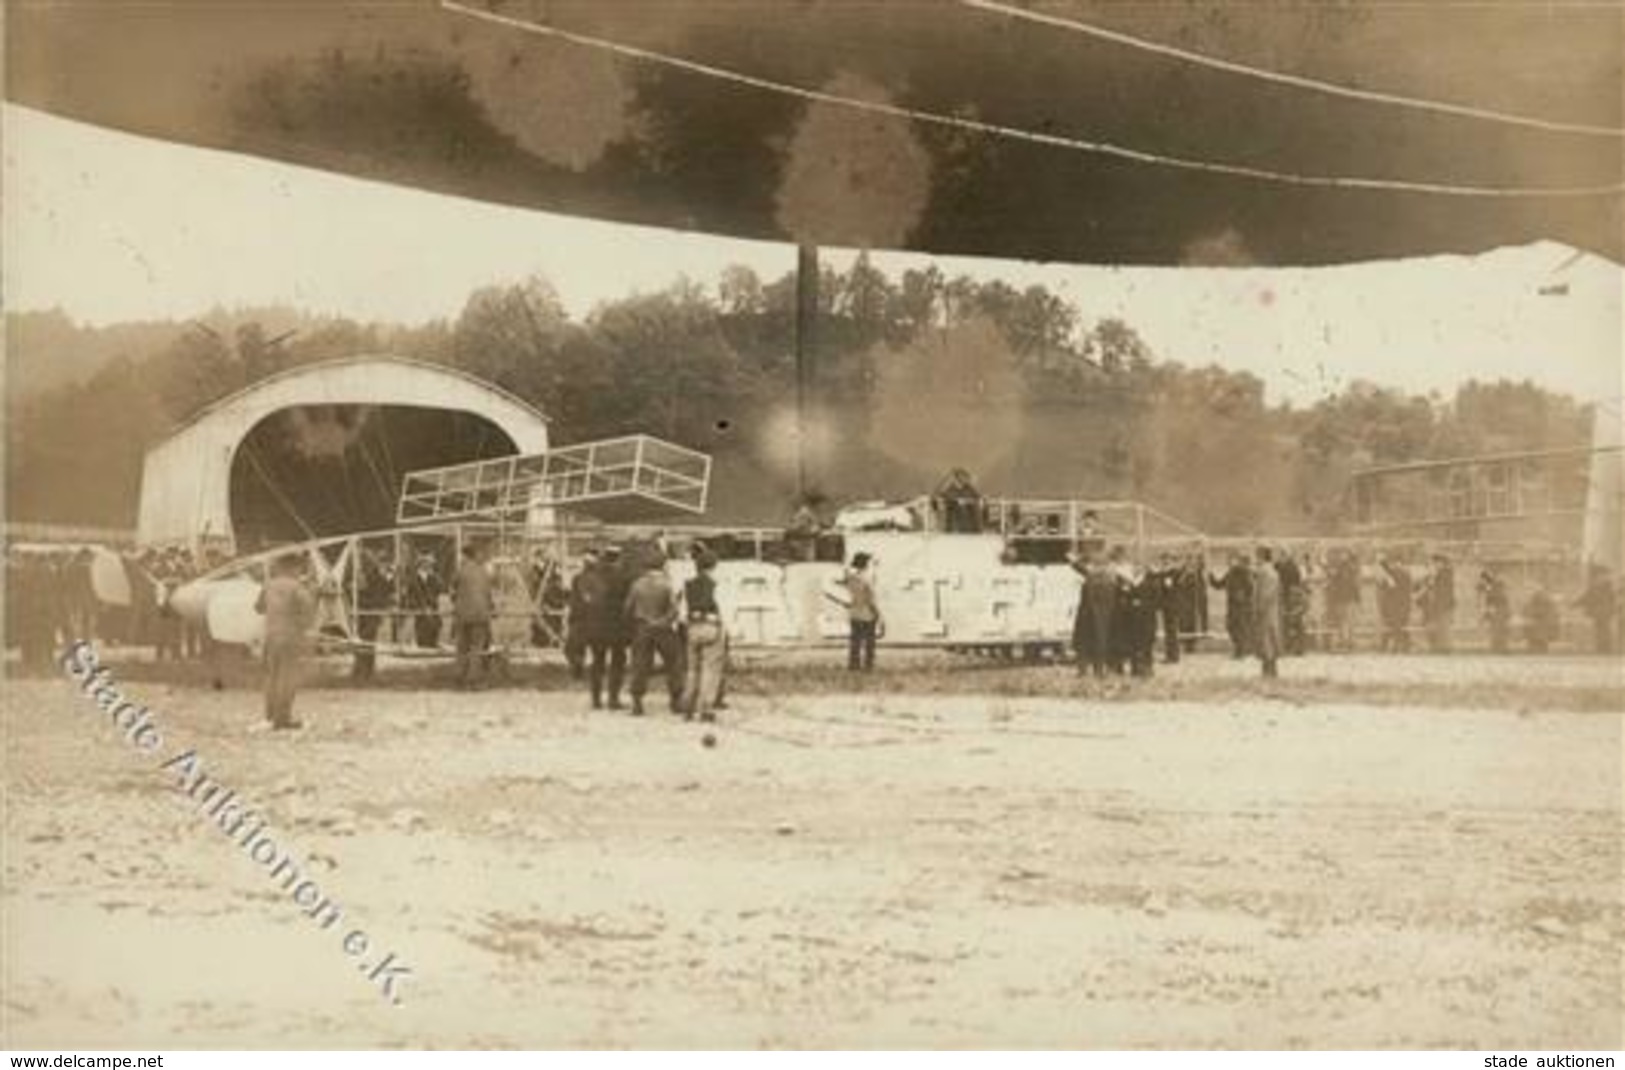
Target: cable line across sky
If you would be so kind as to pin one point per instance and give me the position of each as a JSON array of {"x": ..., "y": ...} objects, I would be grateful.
[
  {"x": 1296, "y": 81},
  {"x": 1102, "y": 148}
]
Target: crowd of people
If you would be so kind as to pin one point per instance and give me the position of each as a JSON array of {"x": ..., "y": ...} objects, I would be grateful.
[
  {"x": 1278, "y": 603},
  {"x": 51, "y": 601},
  {"x": 1121, "y": 606},
  {"x": 626, "y": 625},
  {"x": 625, "y": 613},
  {"x": 1413, "y": 602},
  {"x": 1418, "y": 604}
]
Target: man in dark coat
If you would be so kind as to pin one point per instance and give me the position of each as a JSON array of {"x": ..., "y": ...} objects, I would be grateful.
[
  {"x": 1294, "y": 605},
  {"x": 1167, "y": 594},
  {"x": 1191, "y": 586},
  {"x": 1394, "y": 603},
  {"x": 1237, "y": 585},
  {"x": 79, "y": 605},
  {"x": 599, "y": 592},
  {"x": 559, "y": 613},
  {"x": 29, "y": 613},
  {"x": 1342, "y": 600},
  {"x": 961, "y": 503},
  {"x": 168, "y": 624},
  {"x": 1091, "y": 627},
  {"x": 473, "y": 606},
  {"x": 1140, "y": 601},
  {"x": 1542, "y": 626},
  {"x": 1267, "y": 608},
  {"x": 374, "y": 594},
  {"x": 1439, "y": 604},
  {"x": 651, "y": 610},
  {"x": 423, "y": 589},
  {"x": 1496, "y": 606}
]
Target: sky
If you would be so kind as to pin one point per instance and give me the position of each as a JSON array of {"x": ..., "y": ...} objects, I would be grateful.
[{"x": 110, "y": 227}]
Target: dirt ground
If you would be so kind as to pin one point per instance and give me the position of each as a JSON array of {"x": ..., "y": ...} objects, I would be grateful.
[{"x": 1418, "y": 852}]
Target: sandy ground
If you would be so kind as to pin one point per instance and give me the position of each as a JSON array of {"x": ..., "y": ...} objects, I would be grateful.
[{"x": 1266, "y": 869}]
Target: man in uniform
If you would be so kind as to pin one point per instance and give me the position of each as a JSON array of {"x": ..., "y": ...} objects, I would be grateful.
[{"x": 289, "y": 610}]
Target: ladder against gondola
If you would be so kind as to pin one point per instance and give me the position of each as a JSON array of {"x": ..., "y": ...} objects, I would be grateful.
[{"x": 617, "y": 480}]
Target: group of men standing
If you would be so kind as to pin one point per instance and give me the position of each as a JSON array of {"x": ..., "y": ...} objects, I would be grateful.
[
  {"x": 625, "y": 607},
  {"x": 1400, "y": 593},
  {"x": 1266, "y": 603},
  {"x": 49, "y": 601},
  {"x": 625, "y": 615},
  {"x": 52, "y": 600},
  {"x": 1121, "y": 605},
  {"x": 1413, "y": 602}
]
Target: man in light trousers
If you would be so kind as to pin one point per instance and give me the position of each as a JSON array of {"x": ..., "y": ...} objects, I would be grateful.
[{"x": 707, "y": 642}]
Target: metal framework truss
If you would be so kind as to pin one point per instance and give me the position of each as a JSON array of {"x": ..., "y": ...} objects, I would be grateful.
[{"x": 613, "y": 479}]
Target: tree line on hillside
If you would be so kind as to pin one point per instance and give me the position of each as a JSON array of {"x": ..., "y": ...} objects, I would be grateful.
[{"x": 911, "y": 375}]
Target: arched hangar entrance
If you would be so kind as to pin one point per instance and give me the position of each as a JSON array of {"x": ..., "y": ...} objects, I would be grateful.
[{"x": 320, "y": 450}]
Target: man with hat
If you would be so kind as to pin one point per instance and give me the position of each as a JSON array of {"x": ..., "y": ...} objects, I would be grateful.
[
  {"x": 575, "y": 614},
  {"x": 600, "y": 589},
  {"x": 423, "y": 599},
  {"x": 651, "y": 610},
  {"x": 862, "y": 614},
  {"x": 961, "y": 503}
]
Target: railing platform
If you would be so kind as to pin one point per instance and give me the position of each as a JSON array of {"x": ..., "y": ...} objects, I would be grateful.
[{"x": 617, "y": 480}]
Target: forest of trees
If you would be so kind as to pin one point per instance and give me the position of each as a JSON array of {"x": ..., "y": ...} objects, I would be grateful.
[{"x": 912, "y": 375}]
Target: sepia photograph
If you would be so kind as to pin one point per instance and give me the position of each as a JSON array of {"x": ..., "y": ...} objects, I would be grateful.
[{"x": 766, "y": 525}]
